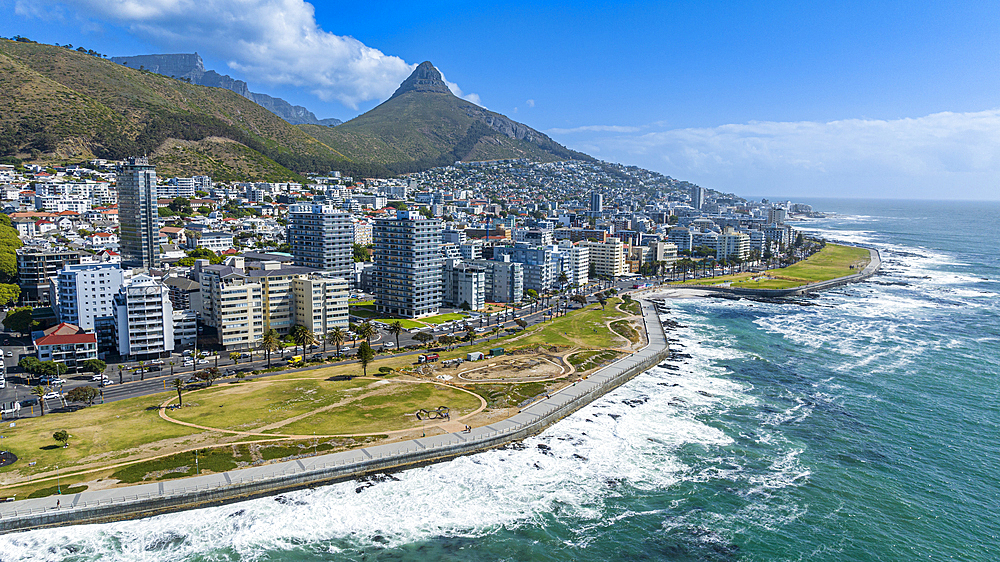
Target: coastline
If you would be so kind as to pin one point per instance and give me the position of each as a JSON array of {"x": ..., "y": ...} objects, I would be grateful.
[{"x": 147, "y": 500}]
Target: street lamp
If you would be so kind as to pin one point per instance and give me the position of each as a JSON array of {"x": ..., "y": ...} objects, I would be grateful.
[{"x": 58, "y": 484}]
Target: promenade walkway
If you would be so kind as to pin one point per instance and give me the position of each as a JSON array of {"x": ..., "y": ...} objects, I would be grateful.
[{"x": 214, "y": 489}]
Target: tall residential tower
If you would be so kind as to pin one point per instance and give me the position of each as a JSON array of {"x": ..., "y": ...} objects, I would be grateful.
[
  {"x": 138, "y": 214},
  {"x": 407, "y": 278}
]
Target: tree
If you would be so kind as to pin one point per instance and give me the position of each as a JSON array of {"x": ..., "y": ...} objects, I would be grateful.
[
  {"x": 19, "y": 320},
  {"x": 270, "y": 343},
  {"x": 208, "y": 375},
  {"x": 62, "y": 436},
  {"x": 602, "y": 299},
  {"x": 423, "y": 337},
  {"x": 302, "y": 336},
  {"x": 563, "y": 278},
  {"x": 446, "y": 340},
  {"x": 361, "y": 253},
  {"x": 39, "y": 391},
  {"x": 531, "y": 294},
  {"x": 9, "y": 293},
  {"x": 181, "y": 206},
  {"x": 83, "y": 394},
  {"x": 165, "y": 212},
  {"x": 366, "y": 330},
  {"x": 235, "y": 357},
  {"x": 365, "y": 356},
  {"x": 178, "y": 384},
  {"x": 579, "y": 299},
  {"x": 95, "y": 366},
  {"x": 395, "y": 329},
  {"x": 521, "y": 323},
  {"x": 470, "y": 335},
  {"x": 121, "y": 374},
  {"x": 337, "y": 337}
]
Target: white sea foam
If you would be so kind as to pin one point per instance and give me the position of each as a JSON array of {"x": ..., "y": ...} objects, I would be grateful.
[{"x": 630, "y": 439}]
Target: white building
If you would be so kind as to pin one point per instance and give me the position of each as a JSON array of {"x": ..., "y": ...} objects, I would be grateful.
[
  {"x": 87, "y": 291},
  {"x": 144, "y": 319},
  {"x": 320, "y": 302},
  {"x": 213, "y": 240},
  {"x": 464, "y": 284},
  {"x": 608, "y": 257},
  {"x": 185, "y": 328},
  {"x": 577, "y": 262}
]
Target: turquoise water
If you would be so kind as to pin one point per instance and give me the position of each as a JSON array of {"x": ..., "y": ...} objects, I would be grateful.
[{"x": 861, "y": 424}]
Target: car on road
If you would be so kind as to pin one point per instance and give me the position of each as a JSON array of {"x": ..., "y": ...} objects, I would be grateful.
[
  {"x": 6, "y": 342},
  {"x": 106, "y": 382},
  {"x": 51, "y": 395},
  {"x": 10, "y": 353},
  {"x": 202, "y": 361},
  {"x": 156, "y": 362},
  {"x": 98, "y": 377},
  {"x": 52, "y": 380},
  {"x": 345, "y": 349},
  {"x": 388, "y": 344}
]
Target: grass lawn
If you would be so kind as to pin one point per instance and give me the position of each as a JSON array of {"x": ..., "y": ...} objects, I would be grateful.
[
  {"x": 246, "y": 407},
  {"x": 362, "y": 312},
  {"x": 386, "y": 411},
  {"x": 580, "y": 327},
  {"x": 586, "y": 360},
  {"x": 831, "y": 262},
  {"x": 442, "y": 318},
  {"x": 97, "y": 434},
  {"x": 362, "y": 303}
]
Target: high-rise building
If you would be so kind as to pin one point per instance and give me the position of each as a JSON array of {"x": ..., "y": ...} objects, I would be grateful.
[
  {"x": 596, "y": 202},
  {"x": 231, "y": 303},
  {"x": 608, "y": 257},
  {"x": 86, "y": 291},
  {"x": 697, "y": 197},
  {"x": 321, "y": 238},
  {"x": 144, "y": 319},
  {"x": 138, "y": 214},
  {"x": 407, "y": 276},
  {"x": 464, "y": 285}
]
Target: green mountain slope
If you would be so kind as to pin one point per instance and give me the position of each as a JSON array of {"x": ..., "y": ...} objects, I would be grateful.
[
  {"x": 424, "y": 125},
  {"x": 58, "y": 104}
]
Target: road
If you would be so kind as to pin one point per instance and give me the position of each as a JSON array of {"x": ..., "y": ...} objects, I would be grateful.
[{"x": 128, "y": 384}]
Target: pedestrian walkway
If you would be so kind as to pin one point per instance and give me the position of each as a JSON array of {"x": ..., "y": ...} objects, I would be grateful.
[{"x": 213, "y": 489}]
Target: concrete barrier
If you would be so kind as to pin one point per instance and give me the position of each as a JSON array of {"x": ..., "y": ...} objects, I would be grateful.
[{"x": 147, "y": 500}]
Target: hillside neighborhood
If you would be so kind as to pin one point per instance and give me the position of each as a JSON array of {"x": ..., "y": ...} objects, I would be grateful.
[{"x": 118, "y": 263}]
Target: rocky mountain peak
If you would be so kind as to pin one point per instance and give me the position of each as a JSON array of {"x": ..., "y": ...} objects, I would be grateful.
[{"x": 425, "y": 78}]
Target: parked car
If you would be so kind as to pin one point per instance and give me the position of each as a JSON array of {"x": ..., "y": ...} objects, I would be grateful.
[
  {"x": 187, "y": 362},
  {"x": 10, "y": 353},
  {"x": 202, "y": 361},
  {"x": 106, "y": 382},
  {"x": 51, "y": 395},
  {"x": 345, "y": 349},
  {"x": 388, "y": 344},
  {"x": 98, "y": 377},
  {"x": 156, "y": 362}
]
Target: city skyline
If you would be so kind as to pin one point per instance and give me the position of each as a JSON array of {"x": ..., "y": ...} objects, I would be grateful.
[{"x": 850, "y": 101}]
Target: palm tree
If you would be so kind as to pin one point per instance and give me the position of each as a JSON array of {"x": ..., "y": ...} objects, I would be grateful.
[
  {"x": 142, "y": 371},
  {"x": 563, "y": 279},
  {"x": 270, "y": 343},
  {"x": 39, "y": 391},
  {"x": 121, "y": 374},
  {"x": 178, "y": 384},
  {"x": 171, "y": 368},
  {"x": 302, "y": 336},
  {"x": 366, "y": 330},
  {"x": 235, "y": 356},
  {"x": 337, "y": 338},
  {"x": 395, "y": 329}
]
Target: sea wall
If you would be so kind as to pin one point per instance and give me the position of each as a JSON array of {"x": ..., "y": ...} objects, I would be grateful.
[{"x": 147, "y": 500}]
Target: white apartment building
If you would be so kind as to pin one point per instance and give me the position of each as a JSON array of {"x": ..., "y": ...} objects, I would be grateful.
[
  {"x": 577, "y": 259},
  {"x": 320, "y": 302},
  {"x": 732, "y": 244},
  {"x": 144, "y": 319},
  {"x": 608, "y": 257},
  {"x": 60, "y": 203},
  {"x": 464, "y": 284},
  {"x": 232, "y": 304},
  {"x": 213, "y": 240},
  {"x": 86, "y": 291},
  {"x": 185, "y": 328}
]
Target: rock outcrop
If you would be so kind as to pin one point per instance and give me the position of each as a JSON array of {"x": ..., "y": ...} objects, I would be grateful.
[{"x": 190, "y": 67}]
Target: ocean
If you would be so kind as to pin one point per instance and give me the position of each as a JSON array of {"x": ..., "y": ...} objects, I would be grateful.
[{"x": 858, "y": 424}]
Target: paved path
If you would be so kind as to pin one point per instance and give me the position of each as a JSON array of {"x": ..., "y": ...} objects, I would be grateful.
[{"x": 136, "y": 500}]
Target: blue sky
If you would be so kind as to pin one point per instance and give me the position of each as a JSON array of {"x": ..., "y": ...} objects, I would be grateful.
[{"x": 849, "y": 99}]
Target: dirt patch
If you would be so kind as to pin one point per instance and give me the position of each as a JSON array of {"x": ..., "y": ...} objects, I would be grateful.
[{"x": 519, "y": 368}]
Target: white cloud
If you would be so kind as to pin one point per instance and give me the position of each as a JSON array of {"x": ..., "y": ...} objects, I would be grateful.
[
  {"x": 944, "y": 155},
  {"x": 275, "y": 42},
  {"x": 530, "y": 103}
]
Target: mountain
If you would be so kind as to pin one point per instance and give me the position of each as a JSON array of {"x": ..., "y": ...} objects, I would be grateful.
[
  {"x": 190, "y": 67},
  {"x": 60, "y": 105},
  {"x": 424, "y": 125}
]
